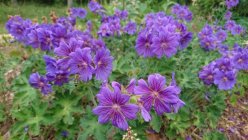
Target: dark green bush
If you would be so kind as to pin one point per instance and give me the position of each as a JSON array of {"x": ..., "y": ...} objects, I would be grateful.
[
  {"x": 209, "y": 7},
  {"x": 241, "y": 9}
]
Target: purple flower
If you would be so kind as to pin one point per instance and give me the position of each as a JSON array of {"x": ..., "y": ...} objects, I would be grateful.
[
  {"x": 51, "y": 63},
  {"x": 124, "y": 14},
  {"x": 231, "y": 3},
  {"x": 165, "y": 44},
  {"x": 228, "y": 15},
  {"x": 89, "y": 25},
  {"x": 209, "y": 43},
  {"x": 65, "y": 49},
  {"x": 64, "y": 133},
  {"x": 144, "y": 113},
  {"x": 32, "y": 39},
  {"x": 59, "y": 33},
  {"x": 223, "y": 49},
  {"x": 185, "y": 39},
  {"x": 143, "y": 44},
  {"x": 225, "y": 80},
  {"x": 104, "y": 30},
  {"x": 223, "y": 64},
  {"x": 130, "y": 28},
  {"x": 156, "y": 94},
  {"x": 78, "y": 12},
  {"x": 40, "y": 82},
  {"x": 54, "y": 72},
  {"x": 113, "y": 106},
  {"x": 98, "y": 44},
  {"x": 240, "y": 61},
  {"x": 237, "y": 30},
  {"x": 206, "y": 31},
  {"x": 44, "y": 37},
  {"x": 221, "y": 35},
  {"x": 130, "y": 87},
  {"x": 80, "y": 63},
  {"x": 230, "y": 25},
  {"x": 182, "y": 12},
  {"x": 103, "y": 64},
  {"x": 59, "y": 77},
  {"x": 207, "y": 74},
  {"x": 94, "y": 6},
  {"x": 17, "y": 27}
]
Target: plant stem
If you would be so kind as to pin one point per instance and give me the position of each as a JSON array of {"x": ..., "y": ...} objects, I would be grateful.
[{"x": 92, "y": 97}]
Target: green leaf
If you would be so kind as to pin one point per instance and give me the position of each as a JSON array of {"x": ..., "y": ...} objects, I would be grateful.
[
  {"x": 156, "y": 122},
  {"x": 91, "y": 127},
  {"x": 215, "y": 135},
  {"x": 2, "y": 113}
]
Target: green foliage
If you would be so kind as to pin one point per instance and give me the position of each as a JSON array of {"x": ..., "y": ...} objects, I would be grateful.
[
  {"x": 91, "y": 127},
  {"x": 2, "y": 113},
  {"x": 214, "y": 136},
  {"x": 214, "y": 8},
  {"x": 156, "y": 122},
  {"x": 241, "y": 9}
]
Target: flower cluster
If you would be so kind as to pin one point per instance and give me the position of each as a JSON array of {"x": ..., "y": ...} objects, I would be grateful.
[
  {"x": 114, "y": 101},
  {"x": 78, "y": 12},
  {"x": 17, "y": 26},
  {"x": 95, "y": 7},
  {"x": 162, "y": 36},
  {"x": 211, "y": 37},
  {"x": 112, "y": 25},
  {"x": 77, "y": 53},
  {"x": 231, "y": 3},
  {"x": 222, "y": 72},
  {"x": 234, "y": 28},
  {"x": 182, "y": 12}
]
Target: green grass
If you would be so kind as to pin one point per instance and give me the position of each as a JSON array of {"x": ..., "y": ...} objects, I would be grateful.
[{"x": 31, "y": 11}]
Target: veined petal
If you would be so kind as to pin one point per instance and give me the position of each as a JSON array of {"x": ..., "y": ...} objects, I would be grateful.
[
  {"x": 119, "y": 121},
  {"x": 142, "y": 88},
  {"x": 161, "y": 107},
  {"x": 129, "y": 111},
  {"x": 156, "y": 82}
]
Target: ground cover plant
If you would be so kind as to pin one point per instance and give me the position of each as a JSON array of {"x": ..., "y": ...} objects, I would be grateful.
[{"x": 128, "y": 71}]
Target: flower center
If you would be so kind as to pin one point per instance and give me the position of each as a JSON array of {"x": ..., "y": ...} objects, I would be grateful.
[
  {"x": 59, "y": 77},
  {"x": 210, "y": 77},
  {"x": 155, "y": 93},
  {"x": 164, "y": 45},
  {"x": 41, "y": 84},
  {"x": 223, "y": 67},
  {"x": 207, "y": 44},
  {"x": 240, "y": 60},
  {"x": 147, "y": 45},
  {"x": 116, "y": 107},
  {"x": 225, "y": 79}
]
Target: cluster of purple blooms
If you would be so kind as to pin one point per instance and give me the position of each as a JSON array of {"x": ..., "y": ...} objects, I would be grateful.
[
  {"x": 114, "y": 101},
  {"x": 234, "y": 28},
  {"x": 182, "y": 12},
  {"x": 112, "y": 25},
  {"x": 78, "y": 13},
  {"x": 212, "y": 37},
  {"x": 96, "y": 8},
  {"x": 78, "y": 54},
  {"x": 231, "y": 3},
  {"x": 231, "y": 25},
  {"x": 162, "y": 36},
  {"x": 223, "y": 71}
]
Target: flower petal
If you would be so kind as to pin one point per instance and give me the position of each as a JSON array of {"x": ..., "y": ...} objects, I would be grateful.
[
  {"x": 119, "y": 121},
  {"x": 129, "y": 111}
]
